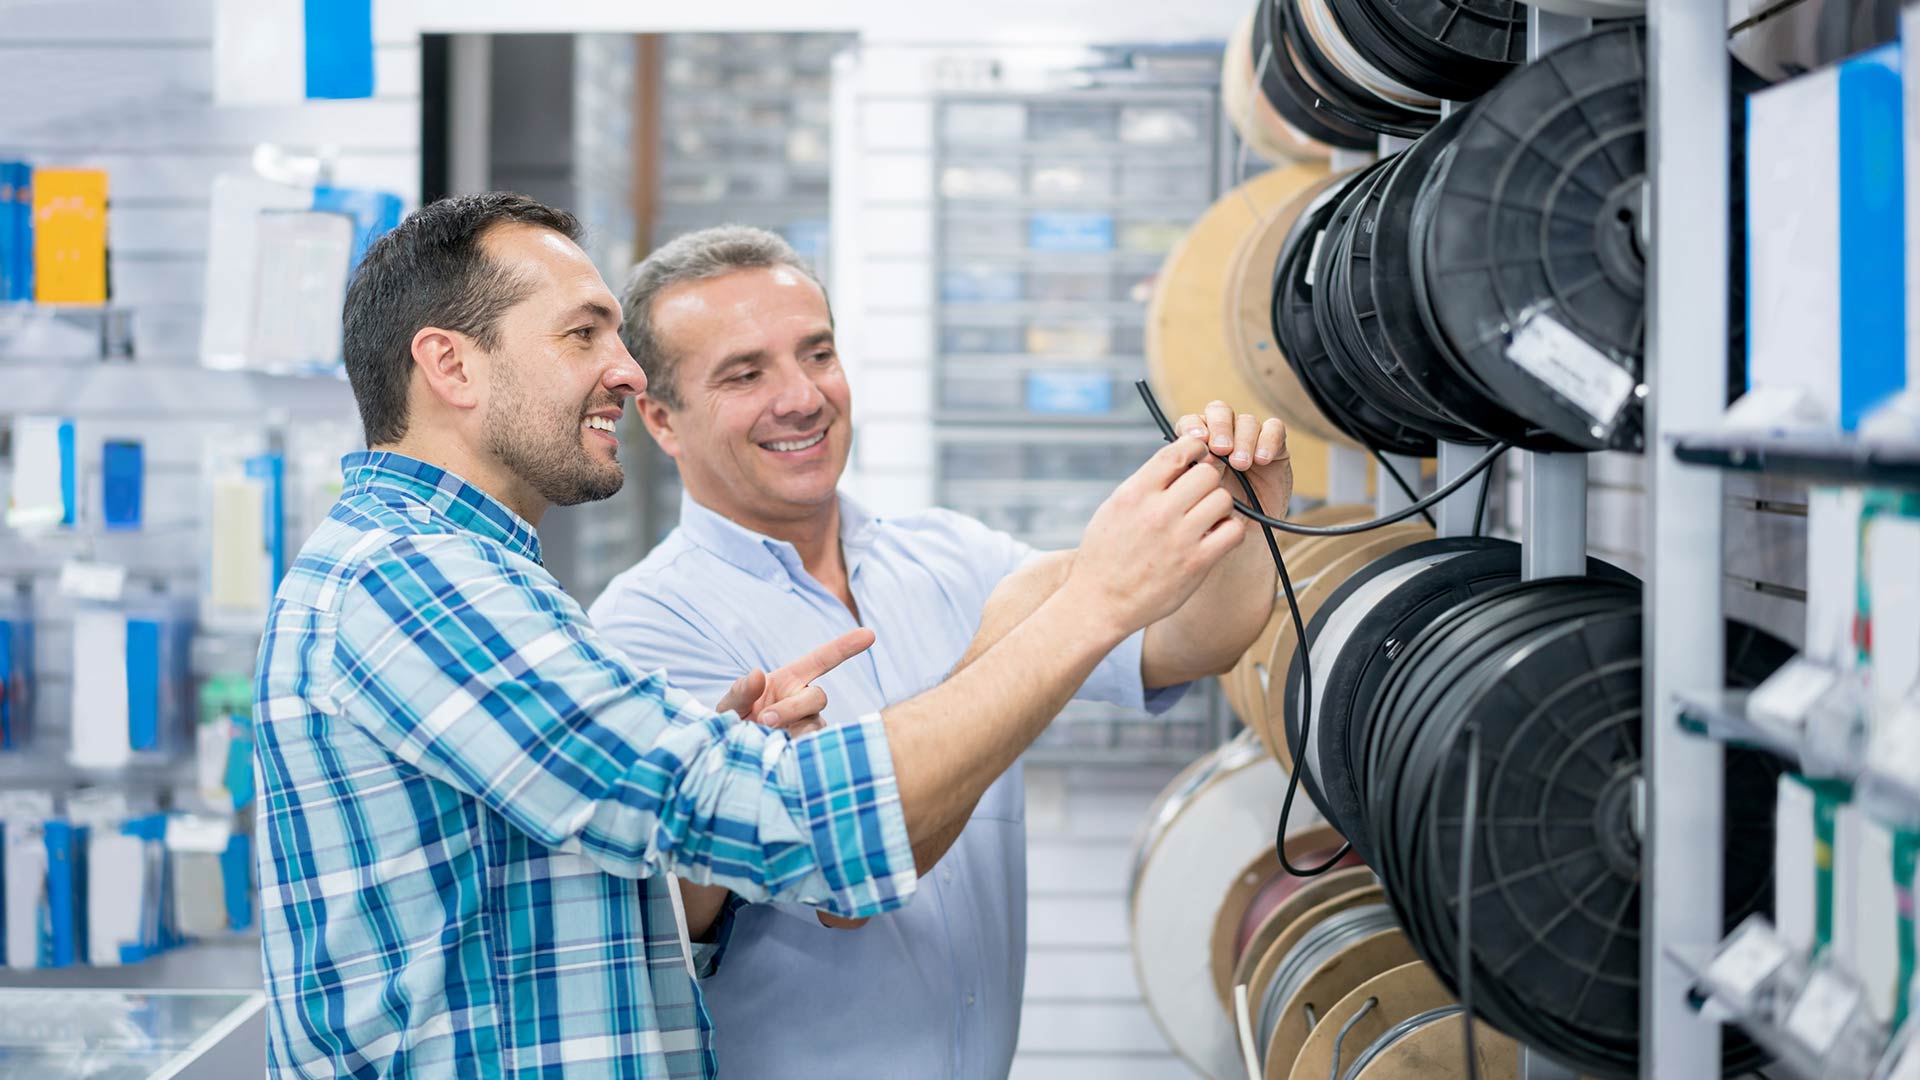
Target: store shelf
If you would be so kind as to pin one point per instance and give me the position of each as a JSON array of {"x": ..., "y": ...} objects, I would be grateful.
[
  {"x": 1819, "y": 458},
  {"x": 1789, "y": 1062},
  {"x": 1725, "y": 718}
]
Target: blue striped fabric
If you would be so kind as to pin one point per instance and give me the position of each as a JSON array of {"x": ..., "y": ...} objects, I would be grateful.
[{"x": 467, "y": 799}]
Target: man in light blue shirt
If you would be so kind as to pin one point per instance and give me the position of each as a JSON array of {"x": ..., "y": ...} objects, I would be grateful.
[{"x": 748, "y": 395}]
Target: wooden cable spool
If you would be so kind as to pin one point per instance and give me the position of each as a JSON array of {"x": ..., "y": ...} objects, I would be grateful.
[
  {"x": 1316, "y": 891},
  {"x": 1398, "y": 994},
  {"x": 1188, "y": 352},
  {"x": 1248, "y": 317},
  {"x": 1439, "y": 1051},
  {"x": 1331, "y": 982},
  {"x": 1190, "y": 856},
  {"x": 1242, "y": 686},
  {"x": 1316, "y": 574},
  {"x": 1263, "y": 881},
  {"x": 1253, "y": 117},
  {"x": 1356, "y": 894}
]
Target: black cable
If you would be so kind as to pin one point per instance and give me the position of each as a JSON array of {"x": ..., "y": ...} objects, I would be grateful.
[
  {"x": 1481, "y": 464},
  {"x": 1468, "y": 813},
  {"x": 1401, "y": 482},
  {"x": 1480, "y": 505}
]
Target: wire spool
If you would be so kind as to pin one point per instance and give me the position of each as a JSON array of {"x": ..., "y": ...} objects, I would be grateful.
[
  {"x": 1346, "y": 86},
  {"x": 1437, "y": 1048},
  {"x": 1544, "y": 677},
  {"x": 1330, "y": 958},
  {"x": 1286, "y": 91},
  {"x": 1404, "y": 340},
  {"x": 1261, "y": 128},
  {"x": 1245, "y": 687},
  {"x": 1343, "y": 312},
  {"x": 1189, "y": 356},
  {"x": 1316, "y": 573},
  {"x": 1358, "y": 631},
  {"x": 1533, "y": 214},
  {"x": 1450, "y": 49},
  {"x": 1297, "y": 331},
  {"x": 1363, "y": 1017},
  {"x": 1307, "y": 895},
  {"x": 1256, "y": 893},
  {"x": 1191, "y": 857},
  {"x": 1260, "y": 988},
  {"x": 1249, "y": 318}
]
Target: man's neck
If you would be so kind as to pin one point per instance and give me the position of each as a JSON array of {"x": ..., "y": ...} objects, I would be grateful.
[
  {"x": 815, "y": 538},
  {"x": 483, "y": 473}
]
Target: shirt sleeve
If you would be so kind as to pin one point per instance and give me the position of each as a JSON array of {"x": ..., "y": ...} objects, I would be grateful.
[{"x": 482, "y": 672}]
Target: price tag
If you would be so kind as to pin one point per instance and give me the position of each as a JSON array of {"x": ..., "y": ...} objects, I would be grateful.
[
  {"x": 104, "y": 582},
  {"x": 1749, "y": 960},
  {"x": 1822, "y": 1012},
  {"x": 1571, "y": 368}
]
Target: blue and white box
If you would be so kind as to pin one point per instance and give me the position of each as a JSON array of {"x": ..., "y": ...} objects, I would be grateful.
[{"x": 1826, "y": 236}]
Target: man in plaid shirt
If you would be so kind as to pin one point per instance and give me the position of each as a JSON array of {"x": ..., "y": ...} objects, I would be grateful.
[{"x": 471, "y": 803}]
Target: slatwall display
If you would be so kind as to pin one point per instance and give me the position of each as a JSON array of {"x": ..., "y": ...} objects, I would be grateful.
[{"x": 144, "y": 113}]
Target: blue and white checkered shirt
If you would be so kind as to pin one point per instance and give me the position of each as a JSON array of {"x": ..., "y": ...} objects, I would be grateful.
[{"x": 468, "y": 800}]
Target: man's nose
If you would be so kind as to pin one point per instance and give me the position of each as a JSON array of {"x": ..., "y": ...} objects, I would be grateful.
[{"x": 624, "y": 376}]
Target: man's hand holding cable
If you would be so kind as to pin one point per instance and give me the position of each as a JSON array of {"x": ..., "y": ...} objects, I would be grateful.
[{"x": 1208, "y": 634}]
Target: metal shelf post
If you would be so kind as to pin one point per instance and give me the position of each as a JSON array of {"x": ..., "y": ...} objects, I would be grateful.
[{"x": 1687, "y": 148}]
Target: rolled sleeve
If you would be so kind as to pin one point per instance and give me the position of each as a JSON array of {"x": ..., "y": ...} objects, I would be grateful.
[{"x": 1116, "y": 680}]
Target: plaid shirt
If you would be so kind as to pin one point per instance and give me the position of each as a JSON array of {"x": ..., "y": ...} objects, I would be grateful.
[{"x": 467, "y": 800}]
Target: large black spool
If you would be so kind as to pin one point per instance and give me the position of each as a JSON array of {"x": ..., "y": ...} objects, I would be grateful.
[
  {"x": 1451, "y": 49},
  {"x": 1289, "y": 94},
  {"x": 1548, "y": 673}
]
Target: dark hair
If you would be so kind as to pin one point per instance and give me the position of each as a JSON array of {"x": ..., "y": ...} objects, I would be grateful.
[{"x": 430, "y": 271}]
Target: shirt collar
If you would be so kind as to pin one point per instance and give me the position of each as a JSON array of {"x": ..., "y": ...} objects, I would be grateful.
[
  {"x": 461, "y": 503},
  {"x": 763, "y": 556}
]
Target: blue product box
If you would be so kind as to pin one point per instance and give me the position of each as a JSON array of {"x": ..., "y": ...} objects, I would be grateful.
[{"x": 1070, "y": 231}]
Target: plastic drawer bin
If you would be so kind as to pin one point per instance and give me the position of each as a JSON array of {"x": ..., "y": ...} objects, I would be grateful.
[
  {"x": 979, "y": 182},
  {"x": 1069, "y": 337},
  {"x": 1069, "y": 286},
  {"x": 1070, "y": 180},
  {"x": 1071, "y": 122},
  {"x": 1070, "y": 230},
  {"x": 984, "y": 122},
  {"x": 981, "y": 339},
  {"x": 1149, "y": 180},
  {"x": 975, "y": 284},
  {"x": 1155, "y": 124}
]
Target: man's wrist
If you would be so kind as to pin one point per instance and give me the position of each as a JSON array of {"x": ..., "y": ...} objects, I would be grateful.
[{"x": 1089, "y": 610}]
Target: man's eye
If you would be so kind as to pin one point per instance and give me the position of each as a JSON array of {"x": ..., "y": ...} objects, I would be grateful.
[
  {"x": 823, "y": 357},
  {"x": 745, "y": 377},
  {"x": 584, "y": 333}
]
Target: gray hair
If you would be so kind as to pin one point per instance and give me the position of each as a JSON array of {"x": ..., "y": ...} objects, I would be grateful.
[{"x": 695, "y": 256}]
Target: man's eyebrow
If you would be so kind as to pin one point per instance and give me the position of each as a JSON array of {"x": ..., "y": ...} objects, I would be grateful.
[
  {"x": 818, "y": 337},
  {"x": 591, "y": 309},
  {"x": 739, "y": 359}
]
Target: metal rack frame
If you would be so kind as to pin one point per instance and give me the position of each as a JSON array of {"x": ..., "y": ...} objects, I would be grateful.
[{"x": 1687, "y": 154}]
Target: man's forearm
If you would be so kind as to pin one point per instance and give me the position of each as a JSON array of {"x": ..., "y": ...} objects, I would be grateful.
[
  {"x": 950, "y": 743},
  {"x": 1209, "y": 632}
]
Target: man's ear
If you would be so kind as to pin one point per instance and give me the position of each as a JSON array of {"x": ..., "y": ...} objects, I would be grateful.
[
  {"x": 659, "y": 421},
  {"x": 453, "y": 368}
]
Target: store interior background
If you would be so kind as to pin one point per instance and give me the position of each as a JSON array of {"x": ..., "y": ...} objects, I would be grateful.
[{"x": 548, "y": 99}]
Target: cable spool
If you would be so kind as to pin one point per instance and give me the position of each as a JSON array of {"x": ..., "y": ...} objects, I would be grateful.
[
  {"x": 1303, "y": 919},
  {"x": 1332, "y": 956},
  {"x": 1343, "y": 310},
  {"x": 1254, "y": 967},
  {"x": 1245, "y": 686},
  {"x": 1307, "y": 352},
  {"x": 1404, "y": 342},
  {"x": 1346, "y": 87},
  {"x": 1188, "y": 353},
  {"x": 1253, "y": 117},
  {"x": 1215, "y": 821},
  {"x": 1544, "y": 678},
  {"x": 1450, "y": 49},
  {"x": 1313, "y": 583},
  {"x": 1287, "y": 93},
  {"x": 1259, "y": 890},
  {"x": 1362, "y": 1021},
  {"x": 1249, "y": 318},
  {"x": 1530, "y": 225},
  {"x": 1358, "y": 631}
]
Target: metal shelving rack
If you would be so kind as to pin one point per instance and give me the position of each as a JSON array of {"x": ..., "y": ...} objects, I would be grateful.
[{"x": 1041, "y": 328}]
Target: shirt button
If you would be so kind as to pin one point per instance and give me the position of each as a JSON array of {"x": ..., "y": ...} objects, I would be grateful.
[
  {"x": 969, "y": 999},
  {"x": 946, "y": 873}
]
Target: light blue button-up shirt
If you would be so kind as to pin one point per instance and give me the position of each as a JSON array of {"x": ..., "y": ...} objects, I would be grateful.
[{"x": 932, "y": 989}]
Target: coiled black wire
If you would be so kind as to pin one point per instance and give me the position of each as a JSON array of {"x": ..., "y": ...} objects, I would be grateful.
[{"x": 1268, "y": 524}]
